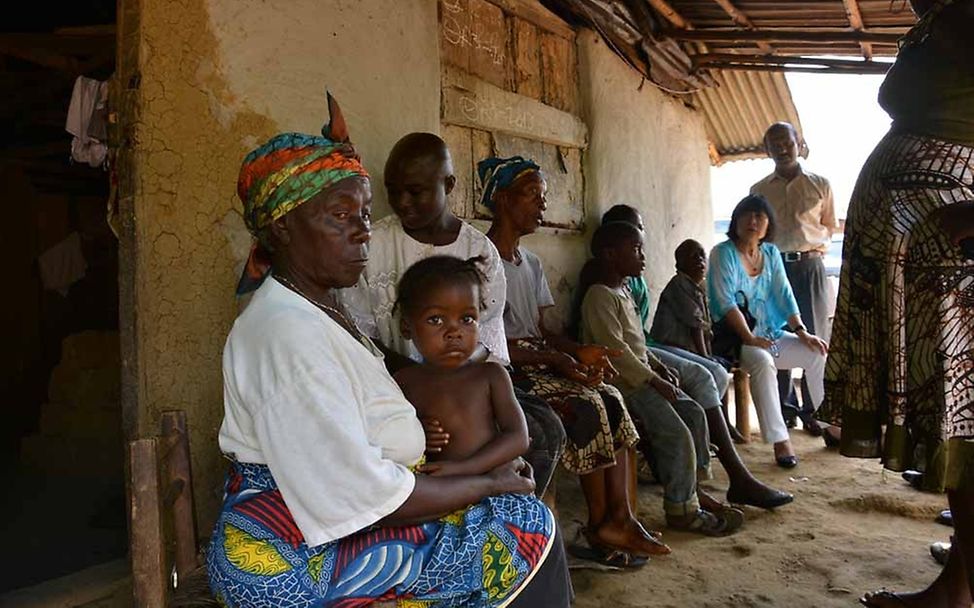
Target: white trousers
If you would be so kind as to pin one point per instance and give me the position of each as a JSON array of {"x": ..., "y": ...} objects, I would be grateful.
[{"x": 762, "y": 367}]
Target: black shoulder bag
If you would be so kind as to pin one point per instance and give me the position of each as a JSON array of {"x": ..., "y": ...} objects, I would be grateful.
[{"x": 726, "y": 342}]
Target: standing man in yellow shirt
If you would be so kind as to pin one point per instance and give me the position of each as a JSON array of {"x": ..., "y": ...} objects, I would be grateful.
[{"x": 806, "y": 220}]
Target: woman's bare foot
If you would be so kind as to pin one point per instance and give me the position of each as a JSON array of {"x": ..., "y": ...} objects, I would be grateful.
[{"x": 628, "y": 536}]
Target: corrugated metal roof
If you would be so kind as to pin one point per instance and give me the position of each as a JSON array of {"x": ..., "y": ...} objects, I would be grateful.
[{"x": 739, "y": 110}]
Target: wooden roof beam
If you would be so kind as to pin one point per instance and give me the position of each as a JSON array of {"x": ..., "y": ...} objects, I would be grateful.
[
  {"x": 855, "y": 20},
  {"x": 705, "y": 60},
  {"x": 822, "y": 36},
  {"x": 742, "y": 20},
  {"x": 864, "y": 68},
  {"x": 669, "y": 13}
]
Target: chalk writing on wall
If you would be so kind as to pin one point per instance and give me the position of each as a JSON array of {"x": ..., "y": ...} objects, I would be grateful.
[{"x": 462, "y": 28}]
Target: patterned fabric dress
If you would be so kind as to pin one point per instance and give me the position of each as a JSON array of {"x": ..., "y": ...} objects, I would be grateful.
[
  {"x": 902, "y": 349},
  {"x": 595, "y": 420},
  {"x": 480, "y": 556}
]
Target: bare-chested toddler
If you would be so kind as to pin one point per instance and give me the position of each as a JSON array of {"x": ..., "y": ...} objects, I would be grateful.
[{"x": 439, "y": 301}]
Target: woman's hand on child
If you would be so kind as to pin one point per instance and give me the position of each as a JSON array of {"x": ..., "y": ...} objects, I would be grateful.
[
  {"x": 514, "y": 477},
  {"x": 436, "y": 437}
]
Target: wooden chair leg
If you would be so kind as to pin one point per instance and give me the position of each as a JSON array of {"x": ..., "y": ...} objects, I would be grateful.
[
  {"x": 179, "y": 476},
  {"x": 148, "y": 551},
  {"x": 742, "y": 403}
]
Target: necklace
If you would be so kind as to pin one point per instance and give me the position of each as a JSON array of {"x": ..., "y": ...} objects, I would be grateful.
[
  {"x": 331, "y": 311},
  {"x": 753, "y": 261}
]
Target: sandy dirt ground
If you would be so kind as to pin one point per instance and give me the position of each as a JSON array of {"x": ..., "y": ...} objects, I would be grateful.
[{"x": 853, "y": 527}]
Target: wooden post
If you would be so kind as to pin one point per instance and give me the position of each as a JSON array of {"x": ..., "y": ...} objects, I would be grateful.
[
  {"x": 148, "y": 551},
  {"x": 178, "y": 472},
  {"x": 742, "y": 403}
]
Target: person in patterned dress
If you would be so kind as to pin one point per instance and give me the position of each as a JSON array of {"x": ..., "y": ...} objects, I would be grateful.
[
  {"x": 900, "y": 374},
  {"x": 322, "y": 505}
]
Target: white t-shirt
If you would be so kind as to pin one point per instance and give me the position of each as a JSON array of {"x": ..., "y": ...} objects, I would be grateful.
[
  {"x": 317, "y": 406},
  {"x": 391, "y": 253},
  {"x": 527, "y": 292}
]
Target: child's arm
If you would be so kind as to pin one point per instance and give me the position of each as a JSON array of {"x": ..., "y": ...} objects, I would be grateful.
[{"x": 511, "y": 440}]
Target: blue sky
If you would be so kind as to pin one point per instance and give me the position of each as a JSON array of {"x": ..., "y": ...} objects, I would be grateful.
[{"x": 842, "y": 122}]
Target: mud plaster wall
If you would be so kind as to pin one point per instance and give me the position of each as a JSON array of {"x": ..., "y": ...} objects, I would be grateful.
[
  {"x": 217, "y": 78},
  {"x": 647, "y": 150}
]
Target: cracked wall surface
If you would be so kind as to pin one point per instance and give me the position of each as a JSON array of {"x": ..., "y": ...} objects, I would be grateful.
[{"x": 217, "y": 77}]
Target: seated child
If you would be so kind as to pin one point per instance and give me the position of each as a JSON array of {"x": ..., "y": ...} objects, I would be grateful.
[
  {"x": 439, "y": 301},
  {"x": 675, "y": 424},
  {"x": 682, "y": 318}
]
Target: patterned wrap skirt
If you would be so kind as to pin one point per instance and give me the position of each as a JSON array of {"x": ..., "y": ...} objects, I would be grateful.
[
  {"x": 900, "y": 373},
  {"x": 595, "y": 418},
  {"x": 479, "y": 556}
]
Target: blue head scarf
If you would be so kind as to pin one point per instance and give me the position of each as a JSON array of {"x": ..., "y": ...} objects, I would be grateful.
[{"x": 499, "y": 173}]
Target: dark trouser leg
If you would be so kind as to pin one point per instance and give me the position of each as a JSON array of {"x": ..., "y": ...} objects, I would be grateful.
[
  {"x": 547, "y": 437},
  {"x": 810, "y": 285},
  {"x": 551, "y": 585}
]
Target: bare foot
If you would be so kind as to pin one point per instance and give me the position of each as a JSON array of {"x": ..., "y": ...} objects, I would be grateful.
[
  {"x": 709, "y": 503},
  {"x": 628, "y": 536}
]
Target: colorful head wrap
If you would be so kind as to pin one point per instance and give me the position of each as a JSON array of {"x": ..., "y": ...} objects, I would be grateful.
[
  {"x": 287, "y": 171},
  {"x": 499, "y": 173}
]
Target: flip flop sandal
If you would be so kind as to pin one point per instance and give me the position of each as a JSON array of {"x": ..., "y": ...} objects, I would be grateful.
[
  {"x": 867, "y": 600},
  {"x": 613, "y": 558},
  {"x": 709, "y": 524},
  {"x": 661, "y": 547}
]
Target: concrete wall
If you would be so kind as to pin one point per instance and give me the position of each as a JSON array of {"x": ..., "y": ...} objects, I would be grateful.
[
  {"x": 216, "y": 78},
  {"x": 219, "y": 76}
]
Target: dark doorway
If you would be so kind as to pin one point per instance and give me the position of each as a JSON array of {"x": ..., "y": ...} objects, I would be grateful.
[{"x": 61, "y": 443}]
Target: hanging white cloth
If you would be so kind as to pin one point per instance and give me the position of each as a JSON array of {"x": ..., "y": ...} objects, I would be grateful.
[{"x": 89, "y": 96}]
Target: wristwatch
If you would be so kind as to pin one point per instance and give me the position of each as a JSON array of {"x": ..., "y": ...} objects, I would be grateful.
[{"x": 799, "y": 328}]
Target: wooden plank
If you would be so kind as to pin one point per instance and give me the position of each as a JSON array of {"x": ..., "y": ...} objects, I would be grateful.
[
  {"x": 489, "y": 43},
  {"x": 866, "y": 69},
  {"x": 742, "y": 20},
  {"x": 709, "y": 58},
  {"x": 669, "y": 13},
  {"x": 454, "y": 33},
  {"x": 179, "y": 474},
  {"x": 559, "y": 73},
  {"x": 481, "y": 147},
  {"x": 148, "y": 551},
  {"x": 819, "y": 36},
  {"x": 471, "y": 102},
  {"x": 458, "y": 140},
  {"x": 855, "y": 20},
  {"x": 533, "y": 12},
  {"x": 527, "y": 60}
]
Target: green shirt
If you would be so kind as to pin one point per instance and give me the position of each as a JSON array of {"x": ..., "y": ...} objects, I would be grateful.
[{"x": 639, "y": 293}]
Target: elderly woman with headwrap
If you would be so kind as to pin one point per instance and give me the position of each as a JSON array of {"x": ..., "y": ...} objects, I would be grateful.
[
  {"x": 566, "y": 375},
  {"x": 322, "y": 504}
]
